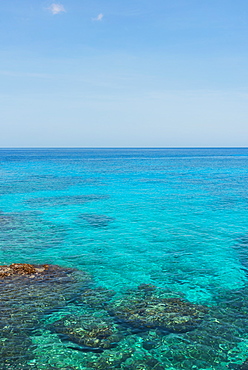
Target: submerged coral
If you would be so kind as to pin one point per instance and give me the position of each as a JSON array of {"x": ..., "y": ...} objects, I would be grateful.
[
  {"x": 144, "y": 328},
  {"x": 26, "y": 293},
  {"x": 170, "y": 314},
  {"x": 15, "y": 348},
  {"x": 87, "y": 330},
  {"x": 31, "y": 289}
]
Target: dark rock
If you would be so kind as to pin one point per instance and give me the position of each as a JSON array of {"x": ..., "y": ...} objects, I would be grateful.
[
  {"x": 149, "y": 344},
  {"x": 24, "y": 273},
  {"x": 16, "y": 348},
  {"x": 21, "y": 269},
  {"x": 244, "y": 366},
  {"x": 233, "y": 366},
  {"x": 26, "y": 293},
  {"x": 88, "y": 331},
  {"x": 28, "y": 290},
  {"x": 172, "y": 314}
]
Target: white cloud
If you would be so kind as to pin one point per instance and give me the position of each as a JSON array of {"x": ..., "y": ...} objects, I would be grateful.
[
  {"x": 98, "y": 18},
  {"x": 56, "y": 8}
]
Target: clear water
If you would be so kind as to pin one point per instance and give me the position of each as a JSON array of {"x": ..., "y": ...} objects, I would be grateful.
[{"x": 173, "y": 218}]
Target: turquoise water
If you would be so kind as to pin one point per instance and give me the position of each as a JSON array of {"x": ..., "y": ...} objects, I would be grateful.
[{"x": 173, "y": 218}]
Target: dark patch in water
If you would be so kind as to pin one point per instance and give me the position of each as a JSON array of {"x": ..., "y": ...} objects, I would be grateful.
[
  {"x": 87, "y": 331},
  {"x": 96, "y": 220},
  {"x": 146, "y": 311},
  {"x": 7, "y": 222},
  {"x": 234, "y": 366},
  {"x": 26, "y": 292},
  {"x": 38, "y": 183}
]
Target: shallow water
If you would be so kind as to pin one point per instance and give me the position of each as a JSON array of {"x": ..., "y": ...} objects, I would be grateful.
[{"x": 172, "y": 218}]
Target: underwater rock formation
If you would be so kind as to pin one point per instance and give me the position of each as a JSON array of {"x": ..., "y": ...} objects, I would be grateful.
[
  {"x": 126, "y": 360},
  {"x": 16, "y": 269},
  {"x": 87, "y": 330},
  {"x": 26, "y": 288},
  {"x": 244, "y": 366},
  {"x": 23, "y": 273},
  {"x": 96, "y": 298},
  {"x": 170, "y": 314},
  {"x": 26, "y": 293},
  {"x": 146, "y": 328},
  {"x": 15, "y": 349}
]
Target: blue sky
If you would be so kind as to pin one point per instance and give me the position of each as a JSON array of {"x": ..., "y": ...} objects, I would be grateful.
[{"x": 123, "y": 73}]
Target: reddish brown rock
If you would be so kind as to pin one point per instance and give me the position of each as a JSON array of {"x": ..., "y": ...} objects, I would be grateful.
[
  {"x": 19, "y": 269},
  {"x": 28, "y": 290},
  {"x": 38, "y": 272}
]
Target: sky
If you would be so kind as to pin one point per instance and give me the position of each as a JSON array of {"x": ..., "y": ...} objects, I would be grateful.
[{"x": 111, "y": 73}]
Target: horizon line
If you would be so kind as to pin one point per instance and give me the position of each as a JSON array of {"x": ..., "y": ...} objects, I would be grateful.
[{"x": 123, "y": 147}]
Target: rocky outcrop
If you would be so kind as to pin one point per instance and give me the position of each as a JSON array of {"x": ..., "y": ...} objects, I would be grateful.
[
  {"x": 170, "y": 314},
  {"x": 17, "y": 269},
  {"x": 27, "y": 293},
  {"x": 88, "y": 331}
]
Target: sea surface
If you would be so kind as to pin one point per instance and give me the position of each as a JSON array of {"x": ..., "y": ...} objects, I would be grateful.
[{"x": 144, "y": 225}]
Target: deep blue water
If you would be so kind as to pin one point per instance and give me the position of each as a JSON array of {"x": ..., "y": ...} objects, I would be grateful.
[{"x": 173, "y": 218}]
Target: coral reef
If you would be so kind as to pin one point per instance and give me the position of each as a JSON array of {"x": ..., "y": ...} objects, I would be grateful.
[
  {"x": 27, "y": 292},
  {"x": 144, "y": 328},
  {"x": 87, "y": 330},
  {"x": 169, "y": 314}
]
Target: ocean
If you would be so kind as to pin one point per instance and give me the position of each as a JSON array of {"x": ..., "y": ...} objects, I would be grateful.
[{"x": 141, "y": 233}]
